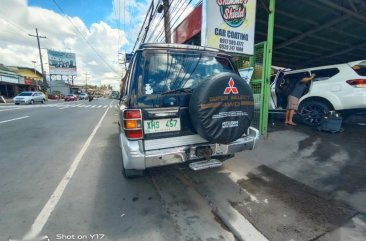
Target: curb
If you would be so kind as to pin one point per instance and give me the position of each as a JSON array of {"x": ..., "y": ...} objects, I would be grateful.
[{"x": 236, "y": 223}]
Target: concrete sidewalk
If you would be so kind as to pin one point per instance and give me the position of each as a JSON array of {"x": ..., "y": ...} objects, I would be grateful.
[{"x": 331, "y": 165}]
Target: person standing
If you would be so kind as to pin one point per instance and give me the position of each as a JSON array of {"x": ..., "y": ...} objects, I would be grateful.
[{"x": 293, "y": 98}]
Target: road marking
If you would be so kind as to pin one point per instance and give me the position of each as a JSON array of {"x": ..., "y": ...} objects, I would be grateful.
[
  {"x": 99, "y": 106},
  {"x": 105, "y": 106},
  {"x": 63, "y": 108},
  {"x": 19, "y": 118},
  {"x": 46, "y": 211},
  {"x": 14, "y": 109}
]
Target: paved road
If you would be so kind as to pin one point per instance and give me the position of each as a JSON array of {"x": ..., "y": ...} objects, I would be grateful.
[
  {"x": 60, "y": 177},
  {"x": 40, "y": 144}
]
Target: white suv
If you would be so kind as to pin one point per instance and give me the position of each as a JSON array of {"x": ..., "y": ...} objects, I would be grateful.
[
  {"x": 29, "y": 97},
  {"x": 340, "y": 87}
]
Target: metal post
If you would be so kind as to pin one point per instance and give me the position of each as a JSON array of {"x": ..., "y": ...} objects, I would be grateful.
[
  {"x": 86, "y": 82},
  {"x": 34, "y": 67},
  {"x": 267, "y": 68}
]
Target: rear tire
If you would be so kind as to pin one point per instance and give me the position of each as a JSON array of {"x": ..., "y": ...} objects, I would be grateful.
[
  {"x": 17, "y": 103},
  {"x": 43, "y": 101},
  {"x": 312, "y": 112}
]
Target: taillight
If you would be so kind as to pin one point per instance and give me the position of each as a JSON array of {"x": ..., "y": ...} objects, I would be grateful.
[
  {"x": 357, "y": 83},
  {"x": 132, "y": 124}
]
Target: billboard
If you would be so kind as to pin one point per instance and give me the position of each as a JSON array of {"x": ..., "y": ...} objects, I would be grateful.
[
  {"x": 61, "y": 63},
  {"x": 229, "y": 25}
]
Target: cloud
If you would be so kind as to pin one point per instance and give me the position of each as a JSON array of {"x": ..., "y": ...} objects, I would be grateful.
[
  {"x": 96, "y": 47},
  {"x": 96, "y": 52}
]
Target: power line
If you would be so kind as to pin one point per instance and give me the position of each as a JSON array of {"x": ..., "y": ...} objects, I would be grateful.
[
  {"x": 81, "y": 34},
  {"x": 161, "y": 33},
  {"x": 154, "y": 22},
  {"x": 143, "y": 24},
  {"x": 15, "y": 26},
  {"x": 161, "y": 19},
  {"x": 176, "y": 20}
]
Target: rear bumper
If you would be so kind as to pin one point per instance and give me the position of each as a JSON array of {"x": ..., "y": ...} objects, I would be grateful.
[{"x": 135, "y": 157}]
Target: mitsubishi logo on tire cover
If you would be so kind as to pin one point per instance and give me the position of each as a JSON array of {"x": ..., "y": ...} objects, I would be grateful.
[{"x": 231, "y": 88}]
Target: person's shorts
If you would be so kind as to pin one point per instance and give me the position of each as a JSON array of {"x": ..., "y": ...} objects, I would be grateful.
[{"x": 292, "y": 103}]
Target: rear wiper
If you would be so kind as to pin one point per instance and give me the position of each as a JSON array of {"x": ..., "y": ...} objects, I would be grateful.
[{"x": 180, "y": 90}]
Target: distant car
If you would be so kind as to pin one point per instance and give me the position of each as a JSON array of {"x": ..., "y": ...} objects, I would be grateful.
[
  {"x": 53, "y": 97},
  {"x": 83, "y": 96},
  {"x": 71, "y": 97},
  {"x": 29, "y": 97}
]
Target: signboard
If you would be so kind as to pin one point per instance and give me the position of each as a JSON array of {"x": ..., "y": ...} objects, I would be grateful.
[
  {"x": 229, "y": 25},
  {"x": 61, "y": 63},
  {"x": 246, "y": 74},
  {"x": 9, "y": 79},
  {"x": 128, "y": 57},
  {"x": 28, "y": 81}
]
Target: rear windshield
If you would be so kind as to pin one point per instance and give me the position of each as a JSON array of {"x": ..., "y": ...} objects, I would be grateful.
[
  {"x": 171, "y": 71},
  {"x": 25, "y": 94},
  {"x": 360, "y": 68}
]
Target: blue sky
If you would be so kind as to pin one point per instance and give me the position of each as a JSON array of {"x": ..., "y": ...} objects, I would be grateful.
[
  {"x": 90, "y": 11},
  {"x": 90, "y": 31},
  {"x": 94, "y": 11}
]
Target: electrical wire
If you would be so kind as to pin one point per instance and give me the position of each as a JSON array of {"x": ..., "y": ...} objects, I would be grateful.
[
  {"x": 154, "y": 21},
  {"x": 83, "y": 37},
  {"x": 162, "y": 32},
  {"x": 161, "y": 35},
  {"x": 19, "y": 28},
  {"x": 161, "y": 19},
  {"x": 178, "y": 18},
  {"x": 142, "y": 27}
]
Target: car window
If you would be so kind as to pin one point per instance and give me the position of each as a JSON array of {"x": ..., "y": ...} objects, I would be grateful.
[
  {"x": 25, "y": 94},
  {"x": 360, "y": 68},
  {"x": 324, "y": 74},
  {"x": 170, "y": 71},
  {"x": 296, "y": 77}
]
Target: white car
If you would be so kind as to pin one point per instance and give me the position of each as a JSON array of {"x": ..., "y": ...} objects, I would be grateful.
[
  {"x": 83, "y": 96},
  {"x": 340, "y": 87},
  {"x": 29, "y": 97}
]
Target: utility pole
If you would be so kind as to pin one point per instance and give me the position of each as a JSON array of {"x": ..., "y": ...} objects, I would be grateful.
[
  {"x": 166, "y": 6},
  {"x": 40, "y": 57},
  {"x": 86, "y": 81}
]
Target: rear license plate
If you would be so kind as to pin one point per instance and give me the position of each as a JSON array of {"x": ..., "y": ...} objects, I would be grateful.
[{"x": 162, "y": 125}]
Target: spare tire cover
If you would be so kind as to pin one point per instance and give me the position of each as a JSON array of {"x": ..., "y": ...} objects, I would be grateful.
[{"x": 221, "y": 108}]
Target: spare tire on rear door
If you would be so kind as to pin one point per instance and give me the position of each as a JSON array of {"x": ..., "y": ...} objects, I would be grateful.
[{"x": 221, "y": 108}]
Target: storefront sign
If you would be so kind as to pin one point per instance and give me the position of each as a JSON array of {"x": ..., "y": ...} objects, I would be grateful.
[
  {"x": 229, "y": 25},
  {"x": 28, "y": 81}
]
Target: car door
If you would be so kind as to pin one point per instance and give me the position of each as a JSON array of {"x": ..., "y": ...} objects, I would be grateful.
[
  {"x": 274, "y": 81},
  {"x": 285, "y": 85},
  {"x": 38, "y": 97}
]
